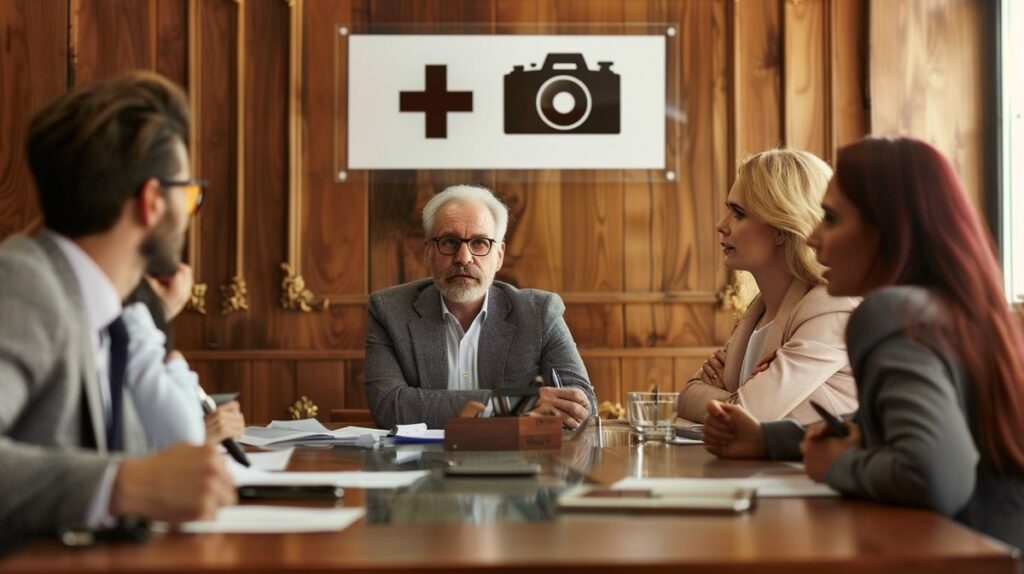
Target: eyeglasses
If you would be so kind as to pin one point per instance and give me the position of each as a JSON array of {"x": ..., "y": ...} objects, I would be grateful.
[
  {"x": 195, "y": 189},
  {"x": 450, "y": 245}
]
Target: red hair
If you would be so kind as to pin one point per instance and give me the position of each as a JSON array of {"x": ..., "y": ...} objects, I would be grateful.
[{"x": 931, "y": 236}]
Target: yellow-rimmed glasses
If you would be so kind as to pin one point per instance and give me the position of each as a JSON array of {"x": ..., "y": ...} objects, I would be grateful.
[{"x": 195, "y": 189}]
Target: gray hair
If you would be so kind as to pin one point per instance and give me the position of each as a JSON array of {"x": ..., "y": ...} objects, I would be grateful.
[{"x": 477, "y": 193}]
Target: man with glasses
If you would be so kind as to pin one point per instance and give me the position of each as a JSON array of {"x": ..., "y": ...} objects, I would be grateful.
[
  {"x": 434, "y": 345},
  {"x": 113, "y": 181}
]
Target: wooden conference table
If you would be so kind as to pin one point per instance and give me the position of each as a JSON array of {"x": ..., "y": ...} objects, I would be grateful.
[{"x": 466, "y": 525}]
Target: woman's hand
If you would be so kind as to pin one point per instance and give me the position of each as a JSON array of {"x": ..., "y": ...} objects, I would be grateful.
[
  {"x": 713, "y": 369},
  {"x": 732, "y": 432},
  {"x": 822, "y": 449}
]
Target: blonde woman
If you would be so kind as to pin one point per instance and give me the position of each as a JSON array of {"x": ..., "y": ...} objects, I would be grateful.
[{"x": 788, "y": 348}]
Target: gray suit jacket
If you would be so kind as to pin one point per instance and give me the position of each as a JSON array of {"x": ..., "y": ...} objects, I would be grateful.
[
  {"x": 52, "y": 439},
  {"x": 917, "y": 419},
  {"x": 407, "y": 362}
]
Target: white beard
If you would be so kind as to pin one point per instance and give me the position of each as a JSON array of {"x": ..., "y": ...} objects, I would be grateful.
[{"x": 462, "y": 293}]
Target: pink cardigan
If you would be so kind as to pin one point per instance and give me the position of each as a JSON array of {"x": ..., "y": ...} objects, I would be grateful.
[{"x": 809, "y": 334}]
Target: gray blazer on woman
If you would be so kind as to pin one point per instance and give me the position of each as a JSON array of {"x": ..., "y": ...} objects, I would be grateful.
[
  {"x": 407, "y": 357},
  {"x": 918, "y": 421}
]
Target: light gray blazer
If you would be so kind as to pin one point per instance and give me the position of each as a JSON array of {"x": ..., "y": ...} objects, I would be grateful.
[
  {"x": 917, "y": 419},
  {"x": 407, "y": 361},
  {"x": 52, "y": 438}
]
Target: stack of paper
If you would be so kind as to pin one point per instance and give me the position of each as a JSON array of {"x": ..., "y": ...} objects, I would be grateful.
[
  {"x": 767, "y": 486},
  {"x": 309, "y": 432},
  {"x": 417, "y": 433}
]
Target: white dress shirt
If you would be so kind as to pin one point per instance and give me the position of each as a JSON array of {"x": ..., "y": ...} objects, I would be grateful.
[
  {"x": 165, "y": 394},
  {"x": 462, "y": 348},
  {"x": 102, "y": 306}
]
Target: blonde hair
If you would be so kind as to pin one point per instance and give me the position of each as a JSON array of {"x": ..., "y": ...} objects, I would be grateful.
[{"x": 783, "y": 188}]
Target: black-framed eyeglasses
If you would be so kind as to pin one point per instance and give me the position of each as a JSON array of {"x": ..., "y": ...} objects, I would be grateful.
[
  {"x": 195, "y": 190},
  {"x": 450, "y": 245}
]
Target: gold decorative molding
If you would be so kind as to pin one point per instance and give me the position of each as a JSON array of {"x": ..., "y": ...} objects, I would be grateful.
[
  {"x": 295, "y": 295},
  {"x": 611, "y": 411},
  {"x": 197, "y": 301},
  {"x": 304, "y": 409},
  {"x": 234, "y": 296},
  {"x": 235, "y": 292}
]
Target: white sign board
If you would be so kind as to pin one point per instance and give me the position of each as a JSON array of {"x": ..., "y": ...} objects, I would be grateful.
[{"x": 506, "y": 102}]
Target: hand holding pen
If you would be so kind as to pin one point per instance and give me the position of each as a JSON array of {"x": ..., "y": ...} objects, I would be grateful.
[
  {"x": 823, "y": 443},
  {"x": 229, "y": 443},
  {"x": 570, "y": 403}
]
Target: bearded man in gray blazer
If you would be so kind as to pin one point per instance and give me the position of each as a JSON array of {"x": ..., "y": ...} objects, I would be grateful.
[
  {"x": 436, "y": 344},
  {"x": 113, "y": 181}
]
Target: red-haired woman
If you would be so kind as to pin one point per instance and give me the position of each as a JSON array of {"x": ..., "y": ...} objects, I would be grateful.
[{"x": 937, "y": 353}]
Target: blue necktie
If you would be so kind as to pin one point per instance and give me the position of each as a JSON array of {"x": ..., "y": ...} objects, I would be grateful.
[{"x": 118, "y": 361}]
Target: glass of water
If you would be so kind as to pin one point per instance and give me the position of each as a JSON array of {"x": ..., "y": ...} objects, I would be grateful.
[{"x": 651, "y": 414}]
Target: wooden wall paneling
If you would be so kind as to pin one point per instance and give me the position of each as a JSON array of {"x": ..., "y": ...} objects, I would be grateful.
[
  {"x": 274, "y": 389},
  {"x": 606, "y": 377},
  {"x": 684, "y": 368},
  {"x": 927, "y": 79},
  {"x": 335, "y": 215},
  {"x": 533, "y": 243},
  {"x": 228, "y": 376},
  {"x": 644, "y": 373},
  {"x": 234, "y": 294},
  {"x": 114, "y": 36},
  {"x": 33, "y": 70},
  {"x": 670, "y": 241},
  {"x": 807, "y": 86},
  {"x": 850, "y": 115},
  {"x": 323, "y": 382},
  {"x": 669, "y": 324},
  {"x": 172, "y": 40},
  {"x": 355, "y": 384},
  {"x": 757, "y": 76},
  {"x": 595, "y": 325},
  {"x": 592, "y": 235},
  {"x": 215, "y": 159}
]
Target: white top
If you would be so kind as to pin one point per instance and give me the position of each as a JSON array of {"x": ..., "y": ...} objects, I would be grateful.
[
  {"x": 462, "y": 348},
  {"x": 755, "y": 346},
  {"x": 165, "y": 394}
]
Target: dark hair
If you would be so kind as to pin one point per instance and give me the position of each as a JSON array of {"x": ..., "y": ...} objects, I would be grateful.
[
  {"x": 91, "y": 149},
  {"x": 931, "y": 236}
]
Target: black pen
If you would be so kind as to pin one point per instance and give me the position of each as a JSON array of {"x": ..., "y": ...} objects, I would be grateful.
[
  {"x": 229, "y": 443},
  {"x": 833, "y": 423}
]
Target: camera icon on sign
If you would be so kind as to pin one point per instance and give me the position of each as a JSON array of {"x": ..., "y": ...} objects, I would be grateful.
[{"x": 564, "y": 96}]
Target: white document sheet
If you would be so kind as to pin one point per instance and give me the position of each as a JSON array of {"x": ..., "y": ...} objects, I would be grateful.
[
  {"x": 767, "y": 486},
  {"x": 274, "y": 519},
  {"x": 309, "y": 432},
  {"x": 274, "y": 461}
]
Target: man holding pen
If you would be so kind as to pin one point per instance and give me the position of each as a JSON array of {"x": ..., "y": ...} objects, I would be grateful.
[{"x": 434, "y": 345}]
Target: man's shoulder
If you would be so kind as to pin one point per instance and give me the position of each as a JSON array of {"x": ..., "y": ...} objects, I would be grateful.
[
  {"x": 530, "y": 301},
  {"x": 25, "y": 265}
]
